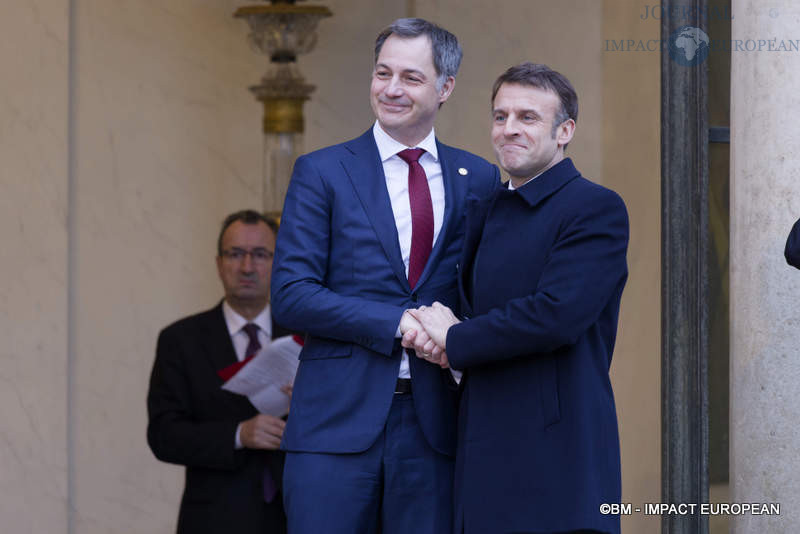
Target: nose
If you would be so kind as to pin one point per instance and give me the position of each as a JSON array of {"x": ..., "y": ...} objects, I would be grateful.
[
  {"x": 247, "y": 263},
  {"x": 510, "y": 127},
  {"x": 394, "y": 88}
]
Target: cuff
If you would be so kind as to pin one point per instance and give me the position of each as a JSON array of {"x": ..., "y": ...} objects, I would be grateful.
[
  {"x": 456, "y": 375},
  {"x": 238, "y": 440}
]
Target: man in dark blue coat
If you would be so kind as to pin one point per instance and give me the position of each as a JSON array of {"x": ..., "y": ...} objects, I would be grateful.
[
  {"x": 792, "y": 251},
  {"x": 371, "y": 228},
  {"x": 543, "y": 271}
]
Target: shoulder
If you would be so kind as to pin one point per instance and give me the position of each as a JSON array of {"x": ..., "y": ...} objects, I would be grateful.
[
  {"x": 583, "y": 205},
  {"x": 365, "y": 141},
  {"x": 483, "y": 175},
  {"x": 792, "y": 250},
  {"x": 322, "y": 169},
  {"x": 189, "y": 325},
  {"x": 328, "y": 152},
  {"x": 587, "y": 195},
  {"x": 459, "y": 156}
]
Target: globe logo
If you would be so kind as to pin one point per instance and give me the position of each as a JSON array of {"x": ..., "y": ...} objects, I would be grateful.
[{"x": 689, "y": 46}]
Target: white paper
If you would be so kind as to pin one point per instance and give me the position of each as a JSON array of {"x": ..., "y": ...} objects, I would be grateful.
[{"x": 262, "y": 378}]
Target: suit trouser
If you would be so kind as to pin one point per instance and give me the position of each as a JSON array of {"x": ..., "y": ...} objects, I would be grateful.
[{"x": 400, "y": 485}]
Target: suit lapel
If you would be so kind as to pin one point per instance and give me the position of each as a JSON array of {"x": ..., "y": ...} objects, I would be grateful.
[
  {"x": 365, "y": 170},
  {"x": 217, "y": 340},
  {"x": 477, "y": 209},
  {"x": 220, "y": 352}
]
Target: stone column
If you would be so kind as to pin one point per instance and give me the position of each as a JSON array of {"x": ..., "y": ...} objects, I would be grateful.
[
  {"x": 33, "y": 261},
  {"x": 765, "y": 291}
]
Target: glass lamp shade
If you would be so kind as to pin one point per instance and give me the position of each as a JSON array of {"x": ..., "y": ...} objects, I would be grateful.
[
  {"x": 280, "y": 152},
  {"x": 281, "y": 30}
]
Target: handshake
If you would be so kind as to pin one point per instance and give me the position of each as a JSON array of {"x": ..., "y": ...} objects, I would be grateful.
[{"x": 424, "y": 329}]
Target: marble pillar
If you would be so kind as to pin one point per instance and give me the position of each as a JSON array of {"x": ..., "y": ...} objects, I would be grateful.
[
  {"x": 33, "y": 262},
  {"x": 765, "y": 291}
]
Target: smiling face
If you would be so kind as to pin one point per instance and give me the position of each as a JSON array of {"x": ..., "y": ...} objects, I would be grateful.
[
  {"x": 526, "y": 142},
  {"x": 404, "y": 93}
]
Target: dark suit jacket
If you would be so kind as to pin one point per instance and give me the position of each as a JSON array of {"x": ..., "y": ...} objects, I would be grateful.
[
  {"x": 792, "y": 251},
  {"x": 192, "y": 422},
  {"x": 538, "y": 442},
  {"x": 338, "y": 275}
]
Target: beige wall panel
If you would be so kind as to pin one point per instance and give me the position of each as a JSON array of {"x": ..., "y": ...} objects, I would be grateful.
[
  {"x": 168, "y": 142},
  {"x": 631, "y": 166},
  {"x": 497, "y": 35},
  {"x": 765, "y": 202},
  {"x": 341, "y": 68},
  {"x": 33, "y": 295}
]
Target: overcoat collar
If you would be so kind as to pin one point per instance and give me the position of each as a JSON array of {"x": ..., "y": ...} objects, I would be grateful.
[{"x": 548, "y": 182}]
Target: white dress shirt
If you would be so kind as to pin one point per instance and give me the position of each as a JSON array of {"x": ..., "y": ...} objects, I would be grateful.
[
  {"x": 239, "y": 337},
  {"x": 240, "y": 340},
  {"x": 396, "y": 171}
]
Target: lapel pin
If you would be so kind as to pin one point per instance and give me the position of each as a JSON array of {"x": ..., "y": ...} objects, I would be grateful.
[{"x": 462, "y": 171}]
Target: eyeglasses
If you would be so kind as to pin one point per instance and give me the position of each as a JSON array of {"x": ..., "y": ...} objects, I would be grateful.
[{"x": 258, "y": 255}]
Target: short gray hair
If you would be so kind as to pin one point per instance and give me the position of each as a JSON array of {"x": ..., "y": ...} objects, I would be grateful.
[{"x": 444, "y": 45}]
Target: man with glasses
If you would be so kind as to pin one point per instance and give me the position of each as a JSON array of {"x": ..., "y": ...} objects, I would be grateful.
[{"x": 233, "y": 465}]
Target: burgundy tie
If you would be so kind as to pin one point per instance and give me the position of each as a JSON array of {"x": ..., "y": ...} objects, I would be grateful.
[
  {"x": 253, "y": 346},
  {"x": 421, "y": 214}
]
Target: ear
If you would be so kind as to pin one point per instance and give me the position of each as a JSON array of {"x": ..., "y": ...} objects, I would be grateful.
[
  {"x": 565, "y": 131},
  {"x": 219, "y": 266},
  {"x": 447, "y": 88}
]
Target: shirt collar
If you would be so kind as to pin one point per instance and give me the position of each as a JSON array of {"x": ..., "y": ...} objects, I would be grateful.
[
  {"x": 388, "y": 146},
  {"x": 511, "y": 186},
  {"x": 236, "y": 322}
]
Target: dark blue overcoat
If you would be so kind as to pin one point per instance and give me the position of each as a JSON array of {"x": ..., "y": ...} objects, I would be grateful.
[{"x": 542, "y": 275}]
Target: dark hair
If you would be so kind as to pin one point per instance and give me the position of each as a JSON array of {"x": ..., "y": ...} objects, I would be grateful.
[
  {"x": 444, "y": 45},
  {"x": 247, "y": 217},
  {"x": 543, "y": 77}
]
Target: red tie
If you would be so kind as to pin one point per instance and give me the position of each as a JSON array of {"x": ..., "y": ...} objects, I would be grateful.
[
  {"x": 269, "y": 488},
  {"x": 421, "y": 214},
  {"x": 253, "y": 346}
]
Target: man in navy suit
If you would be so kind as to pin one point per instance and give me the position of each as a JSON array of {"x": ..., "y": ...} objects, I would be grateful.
[
  {"x": 543, "y": 271},
  {"x": 371, "y": 228}
]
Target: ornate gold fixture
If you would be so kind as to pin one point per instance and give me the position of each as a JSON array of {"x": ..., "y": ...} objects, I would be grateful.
[{"x": 281, "y": 30}]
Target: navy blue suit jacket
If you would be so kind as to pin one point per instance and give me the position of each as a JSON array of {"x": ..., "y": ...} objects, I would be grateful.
[
  {"x": 538, "y": 442},
  {"x": 338, "y": 275},
  {"x": 792, "y": 251}
]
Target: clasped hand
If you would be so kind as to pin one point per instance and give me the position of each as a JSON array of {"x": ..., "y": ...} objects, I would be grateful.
[{"x": 425, "y": 329}]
